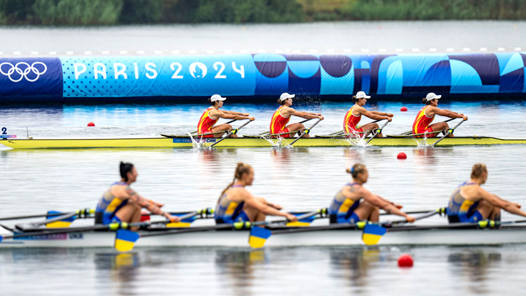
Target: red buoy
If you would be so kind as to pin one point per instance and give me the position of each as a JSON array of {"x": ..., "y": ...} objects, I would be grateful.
[
  {"x": 401, "y": 155},
  {"x": 91, "y": 124},
  {"x": 405, "y": 260},
  {"x": 403, "y": 109}
]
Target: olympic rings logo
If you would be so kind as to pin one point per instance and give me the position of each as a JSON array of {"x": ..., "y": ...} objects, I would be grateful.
[{"x": 22, "y": 70}]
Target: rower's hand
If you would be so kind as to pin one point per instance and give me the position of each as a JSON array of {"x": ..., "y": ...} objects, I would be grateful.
[
  {"x": 517, "y": 205},
  {"x": 398, "y": 206},
  {"x": 157, "y": 204},
  {"x": 321, "y": 117},
  {"x": 389, "y": 118},
  {"x": 172, "y": 219},
  {"x": 464, "y": 117},
  {"x": 291, "y": 217},
  {"x": 410, "y": 219},
  {"x": 251, "y": 118}
]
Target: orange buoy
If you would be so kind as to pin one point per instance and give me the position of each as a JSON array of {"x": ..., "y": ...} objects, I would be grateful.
[
  {"x": 91, "y": 124},
  {"x": 405, "y": 260},
  {"x": 401, "y": 155},
  {"x": 403, "y": 109}
]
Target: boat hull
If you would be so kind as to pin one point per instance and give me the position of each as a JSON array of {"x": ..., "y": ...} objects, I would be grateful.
[
  {"x": 247, "y": 142},
  {"x": 239, "y": 238}
]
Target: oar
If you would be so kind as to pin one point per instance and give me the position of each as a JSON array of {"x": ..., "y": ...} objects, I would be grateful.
[
  {"x": 449, "y": 132},
  {"x": 411, "y": 132},
  {"x": 232, "y": 132},
  {"x": 372, "y": 232},
  {"x": 304, "y": 132},
  {"x": 268, "y": 132},
  {"x": 81, "y": 213},
  {"x": 259, "y": 235},
  {"x": 125, "y": 239},
  {"x": 377, "y": 131}
]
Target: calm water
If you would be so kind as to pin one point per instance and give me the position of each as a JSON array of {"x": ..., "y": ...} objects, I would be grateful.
[
  {"x": 310, "y": 37},
  {"x": 35, "y": 181}
]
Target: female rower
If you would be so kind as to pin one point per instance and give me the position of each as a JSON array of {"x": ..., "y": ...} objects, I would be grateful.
[
  {"x": 422, "y": 125},
  {"x": 205, "y": 126},
  {"x": 280, "y": 118},
  {"x": 120, "y": 203},
  {"x": 354, "y": 115},
  {"x": 236, "y": 204},
  {"x": 354, "y": 203},
  {"x": 470, "y": 203}
]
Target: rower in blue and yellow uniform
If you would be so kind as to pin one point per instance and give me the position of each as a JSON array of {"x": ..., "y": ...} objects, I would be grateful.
[
  {"x": 120, "y": 203},
  {"x": 354, "y": 203},
  {"x": 236, "y": 204},
  {"x": 470, "y": 203}
]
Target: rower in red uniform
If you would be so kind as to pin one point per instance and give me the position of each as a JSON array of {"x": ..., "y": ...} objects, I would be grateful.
[
  {"x": 353, "y": 116},
  {"x": 280, "y": 118},
  {"x": 422, "y": 124},
  {"x": 205, "y": 126}
]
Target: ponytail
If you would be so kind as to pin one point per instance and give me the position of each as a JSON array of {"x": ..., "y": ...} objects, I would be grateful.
[
  {"x": 241, "y": 169},
  {"x": 356, "y": 169},
  {"x": 425, "y": 101},
  {"x": 124, "y": 169}
]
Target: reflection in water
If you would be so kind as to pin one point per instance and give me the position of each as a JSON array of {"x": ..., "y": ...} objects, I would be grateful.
[
  {"x": 353, "y": 264},
  {"x": 425, "y": 155},
  {"x": 474, "y": 265},
  {"x": 238, "y": 268}
]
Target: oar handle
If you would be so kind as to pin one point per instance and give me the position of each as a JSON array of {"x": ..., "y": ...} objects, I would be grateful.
[{"x": 304, "y": 132}]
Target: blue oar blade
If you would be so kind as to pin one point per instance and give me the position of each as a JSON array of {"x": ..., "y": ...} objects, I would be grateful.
[
  {"x": 1, "y": 238},
  {"x": 125, "y": 240},
  {"x": 59, "y": 224},
  {"x": 372, "y": 233},
  {"x": 258, "y": 237}
]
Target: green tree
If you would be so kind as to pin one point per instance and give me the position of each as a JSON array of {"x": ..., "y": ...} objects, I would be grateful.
[{"x": 142, "y": 11}]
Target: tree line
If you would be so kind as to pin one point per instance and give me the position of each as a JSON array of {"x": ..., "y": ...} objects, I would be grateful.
[{"x": 115, "y": 12}]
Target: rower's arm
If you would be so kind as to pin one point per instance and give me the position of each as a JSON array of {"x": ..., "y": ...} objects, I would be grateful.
[
  {"x": 147, "y": 204},
  {"x": 374, "y": 115},
  {"x": 235, "y": 113},
  {"x": 448, "y": 113},
  {"x": 306, "y": 115},
  {"x": 251, "y": 201},
  {"x": 382, "y": 113},
  {"x": 229, "y": 115},
  {"x": 383, "y": 204},
  {"x": 510, "y": 207}
]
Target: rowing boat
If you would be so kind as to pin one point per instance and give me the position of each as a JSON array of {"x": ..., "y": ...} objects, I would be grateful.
[
  {"x": 285, "y": 236},
  {"x": 248, "y": 142}
]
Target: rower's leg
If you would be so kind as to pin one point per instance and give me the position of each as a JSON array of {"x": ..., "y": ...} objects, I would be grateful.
[
  {"x": 222, "y": 128},
  {"x": 440, "y": 127},
  {"x": 487, "y": 210},
  {"x": 367, "y": 211},
  {"x": 130, "y": 213},
  {"x": 297, "y": 127},
  {"x": 369, "y": 128}
]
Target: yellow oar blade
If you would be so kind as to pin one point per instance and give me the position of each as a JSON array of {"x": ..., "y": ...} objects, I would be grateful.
[
  {"x": 298, "y": 224},
  {"x": 178, "y": 225},
  {"x": 125, "y": 240},
  {"x": 258, "y": 237},
  {"x": 58, "y": 224},
  {"x": 372, "y": 234}
]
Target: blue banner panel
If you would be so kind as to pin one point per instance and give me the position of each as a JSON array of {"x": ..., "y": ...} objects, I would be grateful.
[
  {"x": 30, "y": 77},
  {"x": 229, "y": 75}
]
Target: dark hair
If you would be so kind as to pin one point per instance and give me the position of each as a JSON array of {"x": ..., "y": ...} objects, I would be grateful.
[
  {"x": 124, "y": 169},
  {"x": 425, "y": 101},
  {"x": 354, "y": 99},
  {"x": 477, "y": 170},
  {"x": 281, "y": 102},
  {"x": 241, "y": 169},
  {"x": 356, "y": 169},
  {"x": 210, "y": 101}
]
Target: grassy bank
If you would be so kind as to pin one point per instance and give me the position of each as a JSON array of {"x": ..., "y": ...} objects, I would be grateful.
[{"x": 112, "y": 12}]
